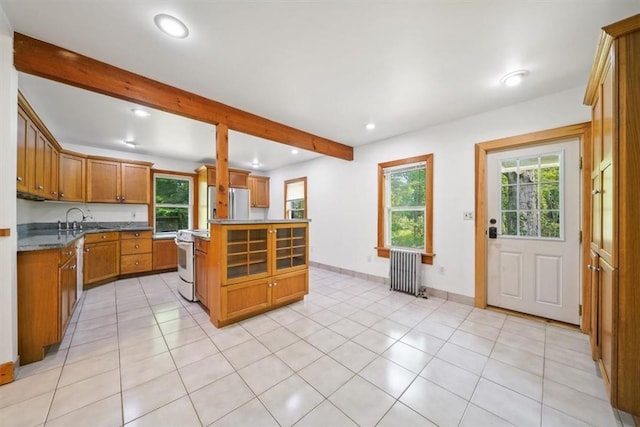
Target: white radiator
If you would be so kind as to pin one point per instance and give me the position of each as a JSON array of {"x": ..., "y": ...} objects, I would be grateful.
[{"x": 405, "y": 271}]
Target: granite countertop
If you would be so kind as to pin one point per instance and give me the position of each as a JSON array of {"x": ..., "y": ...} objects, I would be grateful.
[
  {"x": 256, "y": 221},
  {"x": 43, "y": 239}
]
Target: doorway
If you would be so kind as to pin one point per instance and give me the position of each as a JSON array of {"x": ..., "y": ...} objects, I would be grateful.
[
  {"x": 533, "y": 249},
  {"x": 523, "y": 268}
]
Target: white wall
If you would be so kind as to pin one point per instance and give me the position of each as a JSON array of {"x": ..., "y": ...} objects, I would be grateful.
[
  {"x": 8, "y": 153},
  {"x": 342, "y": 196}
]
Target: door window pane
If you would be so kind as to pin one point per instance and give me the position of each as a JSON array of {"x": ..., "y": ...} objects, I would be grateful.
[{"x": 531, "y": 196}]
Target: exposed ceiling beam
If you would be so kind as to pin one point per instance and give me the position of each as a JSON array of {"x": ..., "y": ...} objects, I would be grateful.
[{"x": 43, "y": 59}]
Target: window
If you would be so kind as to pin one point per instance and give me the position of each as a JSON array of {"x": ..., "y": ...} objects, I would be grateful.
[
  {"x": 530, "y": 196},
  {"x": 173, "y": 203},
  {"x": 295, "y": 198},
  {"x": 405, "y": 205}
]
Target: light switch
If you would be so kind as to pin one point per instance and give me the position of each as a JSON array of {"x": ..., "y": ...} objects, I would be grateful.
[{"x": 468, "y": 216}]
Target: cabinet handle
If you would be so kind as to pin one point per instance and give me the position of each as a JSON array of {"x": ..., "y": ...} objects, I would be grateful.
[
  {"x": 86, "y": 250},
  {"x": 19, "y": 179},
  {"x": 137, "y": 262},
  {"x": 593, "y": 268},
  {"x": 122, "y": 198},
  {"x": 103, "y": 237},
  {"x": 68, "y": 253},
  {"x": 275, "y": 283},
  {"x": 40, "y": 187},
  {"x": 61, "y": 195},
  {"x": 594, "y": 192},
  {"x": 54, "y": 193},
  {"x": 137, "y": 235},
  {"x": 269, "y": 285},
  {"x": 72, "y": 267},
  {"x": 137, "y": 246}
]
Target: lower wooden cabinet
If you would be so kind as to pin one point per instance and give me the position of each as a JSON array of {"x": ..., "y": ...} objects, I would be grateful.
[
  {"x": 165, "y": 254},
  {"x": 201, "y": 276},
  {"x": 247, "y": 298},
  {"x": 45, "y": 301},
  {"x": 135, "y": 252},
  {"x": 101, "y": 257}
]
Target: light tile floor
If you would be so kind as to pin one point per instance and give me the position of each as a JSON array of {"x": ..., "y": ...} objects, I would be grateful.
[{"x": 353, "y": 353}]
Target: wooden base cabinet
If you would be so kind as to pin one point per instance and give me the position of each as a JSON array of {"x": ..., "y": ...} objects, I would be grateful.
[
  {"x": 45, "y": 301},
  {"x": 165, "y": 254},
  {"x": 101, "y": 257},
  {"x": 613, "y": 92},
  {"x": 248, "y": 298},
  {"x": 255, "y": 268},
  {"x": 201, "y": 273},
  {"x": 135, "y": 252}
]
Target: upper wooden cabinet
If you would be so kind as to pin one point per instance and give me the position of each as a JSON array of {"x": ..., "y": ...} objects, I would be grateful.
[
  {"x": 613, "y": 92},
  {"x": 113, "y": 181},
  {"x": 259, "y": 188},
  {"x": 71, "y": 177},
  {"x": 37, "y": 157},
  {"x": 238, "y": 178}
]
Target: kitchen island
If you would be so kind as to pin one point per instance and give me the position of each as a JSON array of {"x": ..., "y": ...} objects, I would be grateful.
[{"x": 255, "y": 266}]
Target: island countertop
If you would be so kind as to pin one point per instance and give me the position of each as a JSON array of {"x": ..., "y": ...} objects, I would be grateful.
[{"x": 257, "y": 221}]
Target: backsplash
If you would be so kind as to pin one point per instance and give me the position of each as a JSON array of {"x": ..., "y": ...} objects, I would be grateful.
[{"x": 52, "y": 212}]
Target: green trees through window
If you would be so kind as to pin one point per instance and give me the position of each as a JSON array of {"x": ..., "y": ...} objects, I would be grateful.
[
  {"x": 172, "y": 207},
  {"x": 530, "y": 196},
  {"x": 407, "y": 208}
]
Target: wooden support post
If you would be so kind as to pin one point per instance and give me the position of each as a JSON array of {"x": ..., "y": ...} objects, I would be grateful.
[{"x": 222, "y": 171}]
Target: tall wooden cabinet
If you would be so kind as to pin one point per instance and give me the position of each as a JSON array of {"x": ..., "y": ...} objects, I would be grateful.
[
  {"x": 255, "y": 267},
  {"x": 614, "y": 94}
]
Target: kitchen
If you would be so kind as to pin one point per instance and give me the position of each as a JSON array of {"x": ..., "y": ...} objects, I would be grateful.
[{"x": 351, "y": 247}]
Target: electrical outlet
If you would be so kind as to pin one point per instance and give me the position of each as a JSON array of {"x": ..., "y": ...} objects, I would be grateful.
[
  {"x": 133, "y": 215},
  {"x": 368, "y": 258},
  {"x": 441, "y": 270},
  {"x": 468, "y": 215}
]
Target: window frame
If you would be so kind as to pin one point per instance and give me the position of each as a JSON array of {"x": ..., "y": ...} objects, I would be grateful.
[
  {"x": 384, "y": 250},
  {"x": 192, "y": 202},
  {"x": 303, "y": 180}
]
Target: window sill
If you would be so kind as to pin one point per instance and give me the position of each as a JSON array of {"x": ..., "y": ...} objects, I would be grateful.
[{"x": 426, "y": 258}]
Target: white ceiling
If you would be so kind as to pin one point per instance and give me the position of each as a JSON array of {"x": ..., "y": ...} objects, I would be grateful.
[{"x": 323, "y": 66}]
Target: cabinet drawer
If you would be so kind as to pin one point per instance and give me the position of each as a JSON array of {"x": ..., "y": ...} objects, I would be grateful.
[
  {"x": 101, "y": 237},
  {"x": 202, "y": 245},
  {"x": 135, "y": 263},
  {"x": 66, "y": 253},
  {"x": 135, "y": 246},
  {"x": 135, "y": 234}
]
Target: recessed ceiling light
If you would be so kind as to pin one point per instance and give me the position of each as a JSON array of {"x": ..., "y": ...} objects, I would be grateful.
[
  {"x": 294, "y": 151},
  {"x": 513, "y": 78},
  {"x": 370, "y": 126},
  {"x": 130, "y": 144},
  {"x": 171, "y": 26},
  {"x": 255, "y": 164},
  {"x": 140, "y": 112}
]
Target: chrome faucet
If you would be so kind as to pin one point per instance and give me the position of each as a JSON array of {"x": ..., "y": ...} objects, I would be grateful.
[{"x": 66, "y": 218}]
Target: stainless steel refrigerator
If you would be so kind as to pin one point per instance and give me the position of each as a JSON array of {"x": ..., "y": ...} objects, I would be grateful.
[{"x": 239, "y": 202}]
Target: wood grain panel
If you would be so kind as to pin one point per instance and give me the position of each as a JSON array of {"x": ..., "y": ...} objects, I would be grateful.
[
  {"x": 101, "y": 237},
  {"x": 6, "y": 373},
  {"x": 165, "y": 254},
  {"x": 135, "y": 246},
  {"x": 136, "y": 263},
  {"x": 289, "y": 287},
  {"x": 103, "y": 181},
  {"x": 628, "y": 231},
  {"x": 135, "y": 183},
  {"x": 141, "y": 234},
  {"x": 222, "y": 171},
  {"x": 42, "y": 59}
]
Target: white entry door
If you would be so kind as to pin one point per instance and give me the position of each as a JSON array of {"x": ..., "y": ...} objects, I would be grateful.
[{"x": 533, "y": 254}]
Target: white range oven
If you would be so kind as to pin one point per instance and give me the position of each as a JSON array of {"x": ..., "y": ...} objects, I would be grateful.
[{"x": 186, "y": 262}]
